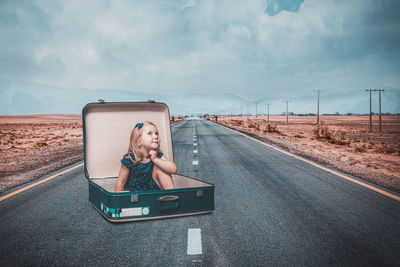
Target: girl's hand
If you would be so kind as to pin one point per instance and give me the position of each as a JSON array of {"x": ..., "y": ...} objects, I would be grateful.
[{"x": 153, "y": 154}]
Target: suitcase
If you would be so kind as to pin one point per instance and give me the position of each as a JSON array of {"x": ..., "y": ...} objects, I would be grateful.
[{"x": 106, "y": 132}]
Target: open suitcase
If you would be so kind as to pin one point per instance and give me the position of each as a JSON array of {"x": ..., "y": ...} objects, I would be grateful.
[{"x": 106, "y": 132}]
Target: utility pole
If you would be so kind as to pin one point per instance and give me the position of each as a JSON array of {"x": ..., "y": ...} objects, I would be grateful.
[
  {"x": 247, "y": 111},
  {"x": 380, "y": 114},
  {"x": 267, "y": 105},
  {"x": 318, "y": 91},
  {"x": 287, "y": 113},
  {"x": 370, "y": 109},
  {"x": 256, "y": 109},
  {"x": 241, "y": 112}
]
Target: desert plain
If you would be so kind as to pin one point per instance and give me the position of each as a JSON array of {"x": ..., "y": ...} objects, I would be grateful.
[
  {"x": 32, "y": 146},
  {"x": 343, "y": 143}
]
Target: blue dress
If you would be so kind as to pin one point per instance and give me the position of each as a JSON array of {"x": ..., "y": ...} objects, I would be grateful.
[{"x": 140, "y": 175}]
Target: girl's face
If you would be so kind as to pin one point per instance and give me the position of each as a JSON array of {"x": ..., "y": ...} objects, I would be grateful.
[{"x": 149, "y": 139}]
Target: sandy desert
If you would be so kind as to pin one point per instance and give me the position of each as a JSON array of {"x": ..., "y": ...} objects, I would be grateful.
[
  {"x": 36, "y": 145},
  {"x": 33, "y": 146},
  {"x": 340, "y": 142}
]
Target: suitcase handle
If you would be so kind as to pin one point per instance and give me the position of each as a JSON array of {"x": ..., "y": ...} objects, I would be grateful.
[{"x": 169, "y": 203}]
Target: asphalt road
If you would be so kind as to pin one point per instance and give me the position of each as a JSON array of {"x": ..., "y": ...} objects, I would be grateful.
[{"x": 270, "y": 209}]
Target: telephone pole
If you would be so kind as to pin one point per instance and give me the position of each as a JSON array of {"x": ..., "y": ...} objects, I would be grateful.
[
  {"x": 318, "y": 91},
  {"x": 287, "y": 113},
  {"x": 247, "y": 111},
  {"x": 267, "y": 105},
  {"x": 380, "y": 114},
  {"x": 256, "y": 109},
  {"x": 370, "y": 108}
]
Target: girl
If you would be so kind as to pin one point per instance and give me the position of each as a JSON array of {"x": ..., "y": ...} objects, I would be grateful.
[{"x": 144, "y": 167}]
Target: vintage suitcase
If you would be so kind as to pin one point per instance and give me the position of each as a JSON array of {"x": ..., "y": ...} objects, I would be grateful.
[{"x": 106, "y": 132}]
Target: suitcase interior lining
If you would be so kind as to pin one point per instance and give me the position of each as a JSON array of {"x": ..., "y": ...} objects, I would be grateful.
[
  {"x": 179, "y": 182},
  {"x": 107, "y": 133}
]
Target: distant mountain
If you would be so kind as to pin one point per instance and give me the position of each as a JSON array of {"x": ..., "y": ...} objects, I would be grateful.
[{"x": 18, "y": 98}]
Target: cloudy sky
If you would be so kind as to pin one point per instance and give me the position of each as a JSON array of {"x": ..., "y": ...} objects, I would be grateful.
[{"x": 251, "y": 49}]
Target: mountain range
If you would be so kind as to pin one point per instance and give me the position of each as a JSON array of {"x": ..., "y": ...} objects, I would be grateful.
[{"x": 23, "y": 98}]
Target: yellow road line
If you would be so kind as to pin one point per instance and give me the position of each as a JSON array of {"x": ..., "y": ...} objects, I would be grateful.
[
  {"x": 38, "y": 183},
  {"x": 321, "y": 167}
]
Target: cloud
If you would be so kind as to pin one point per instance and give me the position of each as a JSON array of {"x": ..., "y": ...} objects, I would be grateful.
[
  {"x": 276, "y": 6},
  {"x": 253, "y": 49}
]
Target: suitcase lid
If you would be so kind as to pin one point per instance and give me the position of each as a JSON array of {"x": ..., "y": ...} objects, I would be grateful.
[{"x": 107, "y": 128}]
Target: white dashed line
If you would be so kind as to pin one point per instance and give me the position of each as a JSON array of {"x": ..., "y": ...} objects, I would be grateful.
[
  {"x": 195, "y": 162},
  {"x": 195, "y": 151},
  {"x": 194, "y": 242},
  {"x": 195, "y": 144}
]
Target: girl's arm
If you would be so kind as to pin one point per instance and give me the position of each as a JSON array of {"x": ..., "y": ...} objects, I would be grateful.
[
  {"x": 122, "y": 178},
  {"x": 164, "y": 164}
]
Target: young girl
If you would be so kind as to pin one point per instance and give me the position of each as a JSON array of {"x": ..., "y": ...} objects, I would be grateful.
[{"x": 144, "y": 167}]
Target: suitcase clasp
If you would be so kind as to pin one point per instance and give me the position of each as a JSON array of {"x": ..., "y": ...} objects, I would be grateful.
[
  {"x": 134, "y": 198},
  {"x": 200, "y": 193}
]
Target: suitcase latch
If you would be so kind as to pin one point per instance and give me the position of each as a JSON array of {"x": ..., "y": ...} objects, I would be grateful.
[
  {"x": 134, "y": 198},
  {"x": 200, "y": 193}
]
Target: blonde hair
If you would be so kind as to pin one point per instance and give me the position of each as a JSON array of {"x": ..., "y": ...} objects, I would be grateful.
[{"x": 134, "y": 147}]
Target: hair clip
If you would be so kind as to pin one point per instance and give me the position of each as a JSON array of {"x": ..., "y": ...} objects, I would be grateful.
[{"x": 139, "y": 125}]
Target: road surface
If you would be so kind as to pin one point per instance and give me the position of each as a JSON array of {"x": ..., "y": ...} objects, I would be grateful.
[{"x": 270, "y": 209}]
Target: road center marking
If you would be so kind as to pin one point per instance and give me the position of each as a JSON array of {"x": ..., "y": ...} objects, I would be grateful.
[
  {"x": 194, "y": 242},
  {"x": 195, "y": 162},
  {"x": 195, "y": 151}
]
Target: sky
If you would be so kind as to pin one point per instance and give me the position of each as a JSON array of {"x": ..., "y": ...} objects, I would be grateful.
[{"x": 250, "y": 51}]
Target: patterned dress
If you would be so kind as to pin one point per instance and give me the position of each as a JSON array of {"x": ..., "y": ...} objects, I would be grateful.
[{"x": 140, "y": 175}]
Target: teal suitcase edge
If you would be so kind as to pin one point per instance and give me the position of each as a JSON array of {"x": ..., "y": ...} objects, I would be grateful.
[{"x": 148, "y": 205}]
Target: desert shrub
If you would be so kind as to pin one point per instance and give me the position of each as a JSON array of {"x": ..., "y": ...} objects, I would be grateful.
[
  {"x": 272, "y": 128},
  {"x": 340, "y": 142},
  {"x": 389, "y": 150},
  {"x": 322, "y": 131},
  {"x": 316, "y": 131},
  {"x": 236, "y": 123},
  {"x": 360, "y": 148},
  {"x": 326, "y": 132},
  {"x": 386, "y": 149},
  {"x": 341, "y": 134},
  {"x": 41, "y": 144},
  {"x": 252, "y": 125}
]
